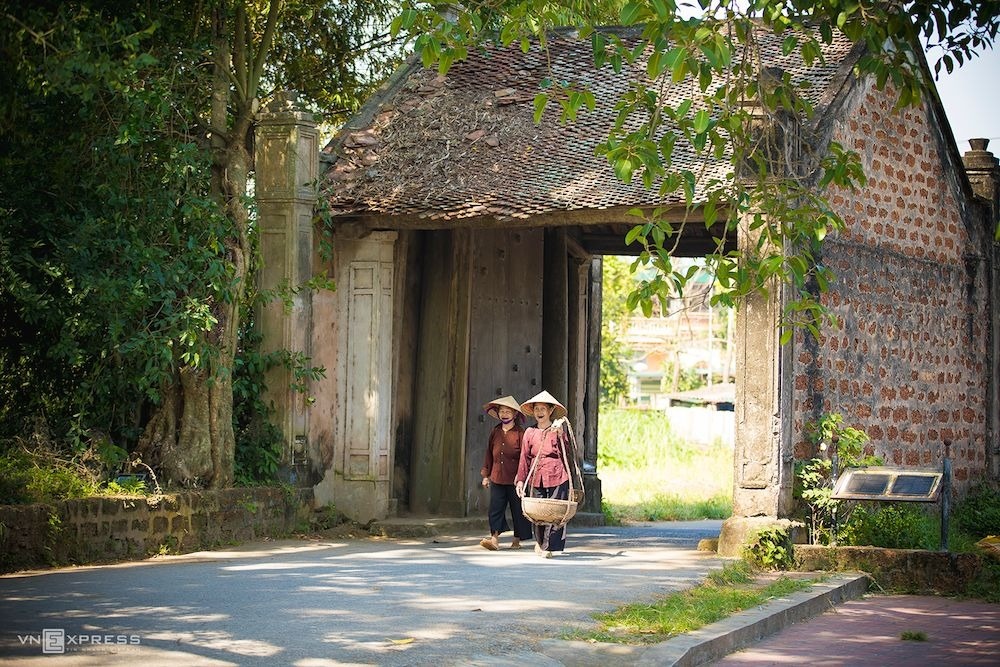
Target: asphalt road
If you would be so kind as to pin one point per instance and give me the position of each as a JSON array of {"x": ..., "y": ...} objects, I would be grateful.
[{"x": 427, "y": 601}]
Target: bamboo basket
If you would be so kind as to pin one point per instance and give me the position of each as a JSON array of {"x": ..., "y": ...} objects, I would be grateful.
[{"x": 548, "y": 511}]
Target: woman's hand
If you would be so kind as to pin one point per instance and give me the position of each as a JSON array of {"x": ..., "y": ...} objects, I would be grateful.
[
  {"x": 486, "y": 481},
  {"x": 519, "y": 489}
]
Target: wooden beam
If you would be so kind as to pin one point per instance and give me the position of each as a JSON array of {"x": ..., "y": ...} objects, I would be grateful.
[{"x": 555, "y": 315}]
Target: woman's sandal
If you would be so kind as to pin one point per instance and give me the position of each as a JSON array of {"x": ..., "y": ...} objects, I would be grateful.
[{"x": 489, "y": 543}]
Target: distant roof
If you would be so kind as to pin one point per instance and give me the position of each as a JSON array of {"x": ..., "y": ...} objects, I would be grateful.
[
  {"x": 717, "y": 393},
  {"x": 465, "y": 146}
]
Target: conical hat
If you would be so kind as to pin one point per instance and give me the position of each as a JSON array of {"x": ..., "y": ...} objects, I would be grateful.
[
  {"x": 493, "y": 407},
  {"x": 544, "y": 397}
]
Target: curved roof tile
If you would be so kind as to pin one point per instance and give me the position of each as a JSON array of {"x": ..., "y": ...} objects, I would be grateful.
[{"x": 465, "y": 145}]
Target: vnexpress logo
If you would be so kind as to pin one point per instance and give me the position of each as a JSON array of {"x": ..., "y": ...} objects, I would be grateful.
[{"x": 53, "y": 640}]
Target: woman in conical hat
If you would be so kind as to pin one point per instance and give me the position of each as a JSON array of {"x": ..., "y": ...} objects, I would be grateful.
[
  {"x": 503, "y": 453},
  {"x": 549, "y": 479}
]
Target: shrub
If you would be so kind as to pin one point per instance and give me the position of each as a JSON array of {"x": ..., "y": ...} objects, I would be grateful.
[
  {"x": 28, "y": 477},
  {"x": 814, "y": 478},
  {"x": 895, "y": 526},
  {"x": 979, "y": 513}
]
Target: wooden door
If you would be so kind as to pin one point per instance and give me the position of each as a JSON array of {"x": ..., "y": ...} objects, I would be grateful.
[{"x": 505, "y": 347}]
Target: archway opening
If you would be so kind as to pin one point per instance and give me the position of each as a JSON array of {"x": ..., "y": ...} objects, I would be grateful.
[{"x": 666, "y": 424}]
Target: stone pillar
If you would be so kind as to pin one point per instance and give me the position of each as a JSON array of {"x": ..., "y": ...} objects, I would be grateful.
[
  {"x": 762, "y": 463},
  {"x": 983, "y": 170},
  {"x": 576, "y": 369},
  {"x": 592, "y": 401},
  {"x": 286, "y": 168}
]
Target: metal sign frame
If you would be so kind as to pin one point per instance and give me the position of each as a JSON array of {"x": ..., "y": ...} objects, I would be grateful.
[{"x": 885, "y": 483}]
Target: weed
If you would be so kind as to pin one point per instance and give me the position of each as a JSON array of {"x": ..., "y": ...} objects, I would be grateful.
[
  {"x": 53, "y": 531},
  {"x": 126, "y": 486},
  {"x": 168, "y": 546},
  {"x": 325, "y": 518},
  {"x": 736, "y": 572},
  {"x": 913, "y": 635},
  {"x": 249, "y": 505},
  {"x": 814, "y": 478},
  {"x": 684, "y": 611},
  {"x": 770, "y": 549},
  {"x": 986, "y": 585}
]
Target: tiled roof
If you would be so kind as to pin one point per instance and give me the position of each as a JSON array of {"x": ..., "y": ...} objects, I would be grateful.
[{"x": 463, "y": 146}]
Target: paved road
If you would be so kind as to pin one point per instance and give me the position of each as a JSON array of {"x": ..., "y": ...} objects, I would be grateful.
[{"x": 440, "y": 601}]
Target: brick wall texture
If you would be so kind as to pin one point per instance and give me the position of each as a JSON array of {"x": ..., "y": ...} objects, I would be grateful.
[
  {"x": 89, "y": 530},
  {"x": 908, "y": 365}
]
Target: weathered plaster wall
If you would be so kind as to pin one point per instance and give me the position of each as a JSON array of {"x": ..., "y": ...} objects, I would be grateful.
[{"x": 909, "y": 363}]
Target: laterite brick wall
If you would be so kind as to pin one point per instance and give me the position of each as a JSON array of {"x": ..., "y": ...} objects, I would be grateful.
[
  {"x": 129, "y": 528},
  {"x": 908, "y": 365}
]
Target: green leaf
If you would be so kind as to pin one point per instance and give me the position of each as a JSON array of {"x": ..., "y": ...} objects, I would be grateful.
[
  {"x": 633, "y": 234},
  {"x": 633, "y": 13},
  {"x": 598, "y": 44},
  {"x": 701, "y": 121},
  {"x": 663, "y": 10},
  {"x": 826, "y": 32},
  {"x": 624, "y": 169},
  {"x": 656, "y": 64},
  {"x": 541, "y": 99},
  {"x": 788, "y": 44},
  {"x": 679, "y": 67}
]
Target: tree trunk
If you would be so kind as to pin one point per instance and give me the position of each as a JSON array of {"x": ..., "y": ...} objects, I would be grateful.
[
  {"x": 190, "y": 437},
  {"x": 183, "y": 440}
]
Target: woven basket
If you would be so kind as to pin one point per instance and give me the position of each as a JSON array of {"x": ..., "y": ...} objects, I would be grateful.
[{"x": 548, "y": 511}]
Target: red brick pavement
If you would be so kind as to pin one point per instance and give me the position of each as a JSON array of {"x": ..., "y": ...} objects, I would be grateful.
[{"x": 868, "y": 632}]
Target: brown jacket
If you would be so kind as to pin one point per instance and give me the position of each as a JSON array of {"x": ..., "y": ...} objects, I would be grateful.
[{"x": 503, "y": 451}]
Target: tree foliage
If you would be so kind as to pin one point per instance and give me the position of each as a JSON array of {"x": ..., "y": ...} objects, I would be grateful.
[
  {"x": 617, "y": 284},
  {"x": 740, "y": 111},
  {"x": 110, "y": 237},
  {"x": 127, "y": 245}
]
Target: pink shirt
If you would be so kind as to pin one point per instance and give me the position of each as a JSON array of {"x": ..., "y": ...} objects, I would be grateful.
[{"x": 550, "y": 471}]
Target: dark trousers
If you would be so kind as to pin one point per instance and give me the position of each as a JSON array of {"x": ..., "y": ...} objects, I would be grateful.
[
  {"x": 550, "y": 538},
  {"x": 503, "y": 496}
]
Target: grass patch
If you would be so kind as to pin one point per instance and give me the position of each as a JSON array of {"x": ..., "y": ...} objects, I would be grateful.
[
  {"x": 650, "y": 473},
  {"x": 721, "y": 595}
]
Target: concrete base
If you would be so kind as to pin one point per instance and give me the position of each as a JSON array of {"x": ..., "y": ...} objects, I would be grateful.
[
  {"x": 592, "y": 499},
  {"x": 737, "y": 531}
]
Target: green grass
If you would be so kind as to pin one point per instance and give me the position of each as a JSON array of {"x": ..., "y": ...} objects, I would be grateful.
[
  {"x": 650, "y": 473},
  {"x": 720, "y": 596}
]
